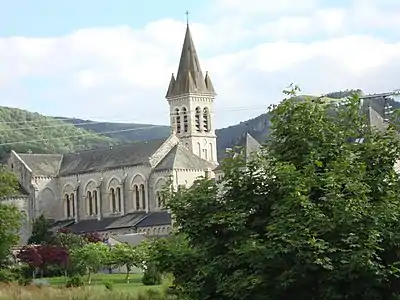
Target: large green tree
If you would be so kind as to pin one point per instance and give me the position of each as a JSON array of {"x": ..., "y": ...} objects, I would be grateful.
[
  {"x": 10, "y": 216},
  {"x": 41, "y": 231},
  {"x": 313, "y": 216}
]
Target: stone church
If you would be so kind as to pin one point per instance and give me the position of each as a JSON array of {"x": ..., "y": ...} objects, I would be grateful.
[{"x": 117, "y": 190}]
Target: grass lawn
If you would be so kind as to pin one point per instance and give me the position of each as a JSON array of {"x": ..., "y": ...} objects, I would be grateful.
[{"x": 119, "y": 284}]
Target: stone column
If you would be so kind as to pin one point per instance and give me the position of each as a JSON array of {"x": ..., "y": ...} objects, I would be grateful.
[
  {"x": 122, "y": 195},
  {"x": 76, "y": 208},
  {"x": 147, "y": 194},
  {"x": 98, "y": 203}
]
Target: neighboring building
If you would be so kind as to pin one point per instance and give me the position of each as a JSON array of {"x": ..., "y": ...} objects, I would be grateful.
[
  {"x": 248, "y": 146},
  {"x": 117, "y": 190}
]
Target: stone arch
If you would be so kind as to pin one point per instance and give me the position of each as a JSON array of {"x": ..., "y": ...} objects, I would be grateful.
[
  {"x": 206, "y": 119},
  {"x": 198, "y": 149},
  {"x": 47, "y": 199},
  {"x": 197, "y": 118},
  {"x": 90, "y": 185},
  {"x": 114, "y": 181},
  {"x": 177, "y": 120},
  {"x": 91, "y": 195},
  {"x": 158, "y": 187},
  {"x": 114, "y": 194},
  {"x": 139, "y": 192},
  {"x": 68, "y": 188},
  {"x": 210, "y": 151},
  {"x": 185, "y": 119}
]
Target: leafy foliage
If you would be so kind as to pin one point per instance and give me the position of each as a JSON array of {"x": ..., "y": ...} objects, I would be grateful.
[
  {"x": 41, "y": 231},
  {"x": 10, "y": 216},
  {"x": 126, "y": 255},
  {"x": 92, "y": 257},
  {"x": 40, "y": 257},
  {"x": 313, "y": 216},
  {"x": 41, "y": 134}
]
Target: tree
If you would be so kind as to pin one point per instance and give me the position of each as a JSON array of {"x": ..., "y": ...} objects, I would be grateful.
[
  {"x": 126, "y": 255},
  {"x": 10, "y": 216},
  {"x": 40, "y": 257},
  {"x": 93, "y": 237},
  {"x": 313, "y": 216},
  {"x": 41, "y": 231},
  {"x": 70, "y": 240},
  {"x": 92, "y": 257}
]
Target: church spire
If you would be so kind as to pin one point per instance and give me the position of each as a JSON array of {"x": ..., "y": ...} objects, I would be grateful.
[{"x": 189, "y": 78}]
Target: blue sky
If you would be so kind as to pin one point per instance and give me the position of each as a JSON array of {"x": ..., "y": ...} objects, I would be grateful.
[
  {"x": 52, "y": 18},
  {"x": 112, "y": 60}
]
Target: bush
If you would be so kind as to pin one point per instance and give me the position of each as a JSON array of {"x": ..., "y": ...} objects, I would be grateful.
[
  {"x": 9, "y": 275},
  {"x": 75, "y": 281},
  {"x": 109, "y": 285},
  {"x": 151, "y": 276}
]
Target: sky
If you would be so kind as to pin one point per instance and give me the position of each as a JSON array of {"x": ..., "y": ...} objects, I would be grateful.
[{"x": 112, "y": 60}]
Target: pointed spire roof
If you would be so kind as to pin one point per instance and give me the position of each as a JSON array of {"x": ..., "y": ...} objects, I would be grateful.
[{"x": 189, "y": 78}]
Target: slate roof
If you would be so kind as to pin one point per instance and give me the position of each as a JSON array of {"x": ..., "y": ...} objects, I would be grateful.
[
  {"x": 108, "y": 158},
  {"x": 189, "y": 78},
  {"x": 137, "y": 219},
  {"x": 132, "y": 239},
  {"x": 43, "y": 164},
  {"x": 248, "y": 144},
  {"x": 181, "y": 158},
  {"x": 157, "y": 218},
  {"x": 375, "y": 119}
]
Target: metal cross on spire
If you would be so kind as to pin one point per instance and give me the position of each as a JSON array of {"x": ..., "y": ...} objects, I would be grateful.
[{"x": 187, "y": 17}]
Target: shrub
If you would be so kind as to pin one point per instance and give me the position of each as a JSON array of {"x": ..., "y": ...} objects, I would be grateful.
[
  {"x": 109, "y": 285},
  {"x": 75, "y": 281},
  {"x": 151, "y": 276},
  {"x": 9, "y": 275}
]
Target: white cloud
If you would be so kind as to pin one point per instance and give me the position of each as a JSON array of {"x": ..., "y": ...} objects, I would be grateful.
[{"x": 122, "y": 74}]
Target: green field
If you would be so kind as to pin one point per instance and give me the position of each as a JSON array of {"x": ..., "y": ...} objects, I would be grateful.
[{"x": 118, "y": 282}]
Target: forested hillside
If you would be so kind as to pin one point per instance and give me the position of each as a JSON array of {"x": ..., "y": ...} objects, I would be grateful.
[
  {"x": 127, "y": 131},
  {"x": 25, "y": 131}
]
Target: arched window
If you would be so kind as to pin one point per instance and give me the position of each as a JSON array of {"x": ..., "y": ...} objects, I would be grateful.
[
  {"x": 90, "y": 203},
  {"x": 96, "y": 209},
  {"x": 72, "y": 203},
  {"x": 178, "y": 121},
  {"x": 185, "y": 120},
  {"x": 143, "y": 196},
  {"x": 210, "y": 150},
  {"x": 136, "y": 196},
  {"x": 159, "y": 199},
  {"x": 206, "y": 120},
  {"x": 197, "y": 118},
  {"x": 67, "y": 206},
  {"x": 113, "y": 200},
  {"x": 119, "y": 200},
  {"x": 199, "y": 148}
]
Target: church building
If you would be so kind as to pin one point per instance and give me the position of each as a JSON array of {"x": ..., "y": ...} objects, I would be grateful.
[{"x": 117, "y": 190}]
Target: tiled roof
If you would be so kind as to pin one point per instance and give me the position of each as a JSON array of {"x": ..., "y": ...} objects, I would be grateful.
[
  {"x": 181, "y": 158},
  {"x": 138, "y": 219},
  {"x": 114, "y": 157},
  {"x": 42, "y": 164}
]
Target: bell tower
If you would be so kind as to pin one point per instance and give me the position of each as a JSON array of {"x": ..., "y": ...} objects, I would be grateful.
[{"x": 191, "y": 97}]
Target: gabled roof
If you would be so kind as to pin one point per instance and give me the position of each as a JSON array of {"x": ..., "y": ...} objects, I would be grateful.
[
  {"x": 181, "y": 158},
  {"x": 189, "y": 78},
  {"x": 109, "y": 158},
  {"x": 248, "y": 144},
  {"x": 42, "y": 164},
  {"x": 374, "y": 119},
  {"x": 136, "y": 219}
]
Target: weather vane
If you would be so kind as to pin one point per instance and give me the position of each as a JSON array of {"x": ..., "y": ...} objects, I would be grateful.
[{"x": 187, "y": 17}]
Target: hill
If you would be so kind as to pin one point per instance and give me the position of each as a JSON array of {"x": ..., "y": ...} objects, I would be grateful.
[
  {"x": 25, "y": 131},
  {"x": 127, "y": 131}
]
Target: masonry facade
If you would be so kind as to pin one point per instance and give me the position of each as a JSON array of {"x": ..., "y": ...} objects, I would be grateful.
[{"x": 117, "y": 190}]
